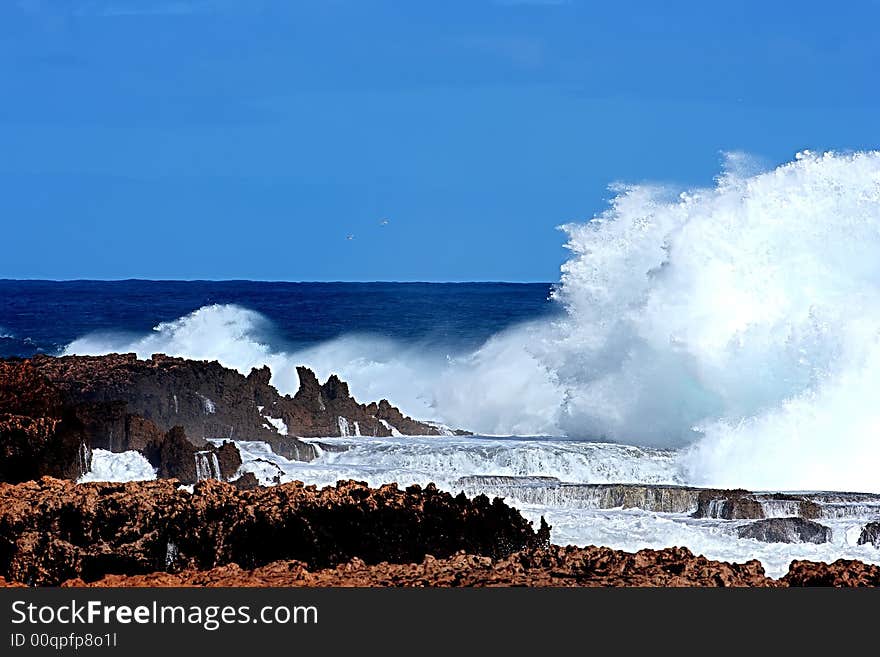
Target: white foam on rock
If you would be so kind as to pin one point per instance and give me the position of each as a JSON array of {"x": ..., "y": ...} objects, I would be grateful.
[
  {"x": 277, "y": 424},
  {"x": 118, "y": 467},
  {"x": 387, "y": 425},
  {"x": 443, "y": 460},
  {"x": 207, "y": 405},
  {"x": 207, "y": 465},
  {"x": 634, "y": 529}
]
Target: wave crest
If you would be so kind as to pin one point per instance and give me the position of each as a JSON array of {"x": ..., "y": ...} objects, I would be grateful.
[{"x": 742, "y": 321}]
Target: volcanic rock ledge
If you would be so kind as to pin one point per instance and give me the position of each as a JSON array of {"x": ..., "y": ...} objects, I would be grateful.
[
  {"x": 552, "y": 566},
  {"x": 53, "y": 530},
  {"x": 156, "y": 534},
  {"x": 736, "y": 504},
  {"x": 55, "y": 411}
]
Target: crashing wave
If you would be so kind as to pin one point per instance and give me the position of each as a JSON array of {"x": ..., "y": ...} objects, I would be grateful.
[{"x": 741, "y": 322}]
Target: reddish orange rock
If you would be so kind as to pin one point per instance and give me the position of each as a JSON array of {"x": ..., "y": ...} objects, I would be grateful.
[
  {"x": 55, "y": 530},
  {"x": 842, "y": 572},
  {"x": 553, "y": 566}
]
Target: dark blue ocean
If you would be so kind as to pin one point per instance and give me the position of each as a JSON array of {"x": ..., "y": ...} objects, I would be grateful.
[{"x": 45, "y": 316}]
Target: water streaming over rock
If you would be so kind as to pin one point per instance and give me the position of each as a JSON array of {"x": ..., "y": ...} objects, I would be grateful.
[{"x": 207, "y": 466}]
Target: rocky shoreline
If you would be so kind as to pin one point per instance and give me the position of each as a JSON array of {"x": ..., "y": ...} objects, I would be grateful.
[
  {"x": 554, "y": 566},
  {"x": 189, "y": 527},
  {"x": 55, "y": 532},
  {"x": 55, "y": 411}
]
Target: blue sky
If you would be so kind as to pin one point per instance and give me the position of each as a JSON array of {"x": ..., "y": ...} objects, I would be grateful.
[{"x": 247, "y": 139}]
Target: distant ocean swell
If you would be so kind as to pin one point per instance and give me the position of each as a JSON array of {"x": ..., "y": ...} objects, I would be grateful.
[{"x": 739, "y": 323}]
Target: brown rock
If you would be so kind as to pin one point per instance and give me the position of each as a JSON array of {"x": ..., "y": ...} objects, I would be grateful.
[
  {"x": 403, "y": 423},
  {"x": 229, "y": 459},
  {"x": 550, "y": 566},
  {"x": 204, "y": 398},
  {"x": 316, "y": 410},
  {"x": 24, "y": 391},
  {"x": 53, "y": 530},
  {"x": 175, "y": 457},
  {"x": 247, "y": 481},
  {"x": 69, "y": 405},
  {"x": 840, "y": 573},
  {"x": 210, "y": 401},
  {"x": 43, "y": 446}
]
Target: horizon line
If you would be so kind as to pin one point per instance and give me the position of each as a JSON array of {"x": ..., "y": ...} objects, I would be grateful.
[{"x": 267, "y": 280}]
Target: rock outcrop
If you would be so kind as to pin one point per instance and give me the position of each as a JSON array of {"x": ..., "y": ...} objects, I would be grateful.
[
  {"x": 329, "y": 410},
  {"x": 156, "y": 534},
  {"x": 45, "y": 431},
  {"x": 785, "y": 530},
  {"x": 841, "y": 573},
  {"x": 175, "y": 457},
  {"x": 870, "y": 534},
  {"x": 54, "y": 411},
  {"x": 247, "y": 481},
  {"x": 211, "y": 401},
  {"x": 33, "y": 447},
  {"x": 550, "y": 566},
  {"x": 39, "y": 435},
  {"x": 53, "y": 530}
]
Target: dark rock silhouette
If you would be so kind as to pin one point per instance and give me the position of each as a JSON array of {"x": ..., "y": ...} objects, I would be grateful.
[
  {"x": 54, "y": 411},
  {"x": 841, "y": 573},
  {"x": 39, "y": 435},
  {"x": 786, "y": 530},
  {"x": 870, "y": 534},
  {"x": 43, "y": 446}
]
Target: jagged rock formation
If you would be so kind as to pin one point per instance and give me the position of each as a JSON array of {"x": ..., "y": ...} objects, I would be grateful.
[
  {"x": 550, "y": 566},
  {"x": 53, "y": 434},
  {"x": 785, "y": 530},
  {"x": 211, "y": 401},
  {"x": 728, "y": 505},
  {"x": 247, "y": 481},
  {"x": 39, "y": 435},
  {"x": 53, "y": 530},
  {"x": 54, "y": 411},
  {"x": 842, "y": 572},
  {"x": 34, "y": 447},
  {"x": 155, "y": 534},
  {"x": 329, "y": 410},
  {"x": 175, "y": 457}
]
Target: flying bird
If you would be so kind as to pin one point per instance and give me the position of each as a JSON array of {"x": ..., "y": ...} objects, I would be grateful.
[
  {"x": 384, "y": 222},
  {"x": 350, "y": 236}
]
